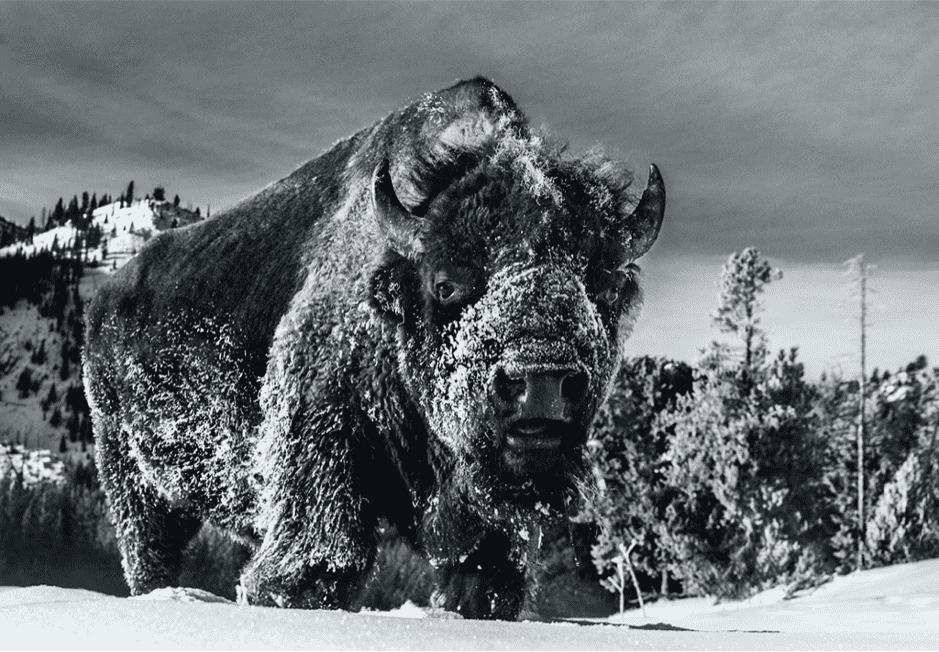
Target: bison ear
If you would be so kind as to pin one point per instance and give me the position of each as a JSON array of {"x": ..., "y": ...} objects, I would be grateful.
[
  {"x": 389, "y": 287},
  {"x": 646, "y": 220},
  {"x": 402, "y": 229}
]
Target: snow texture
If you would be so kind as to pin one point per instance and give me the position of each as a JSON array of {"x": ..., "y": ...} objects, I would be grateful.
[
  {"x": 888, "y": 608},
  {"x": 34, "y": 467}
]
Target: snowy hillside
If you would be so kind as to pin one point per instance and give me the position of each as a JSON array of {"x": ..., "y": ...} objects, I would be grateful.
[
  {"x": 36, "y": 387},
  {"x": 886, "y": 608},
  {"x": 37, "y": 466},
  {"x": 44, "y": 346},
  {"x": 124, "y": 230}
]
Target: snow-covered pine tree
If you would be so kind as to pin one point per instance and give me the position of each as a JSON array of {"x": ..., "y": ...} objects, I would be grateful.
[
  {"x": 904, "y": 487},
  {"x": 627, "y": 452},
  {"x": 743, "y": 458}
]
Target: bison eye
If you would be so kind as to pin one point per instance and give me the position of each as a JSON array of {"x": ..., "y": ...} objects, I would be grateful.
[
  {"x": 446, "y": 290},
  {"x": 609, "y": 296},
  {"x": 450, "y": 287},
  {"x": 616, "y": 286}
]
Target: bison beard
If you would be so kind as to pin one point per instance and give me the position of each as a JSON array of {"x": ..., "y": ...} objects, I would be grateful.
[{"x": 418, "y": 326}]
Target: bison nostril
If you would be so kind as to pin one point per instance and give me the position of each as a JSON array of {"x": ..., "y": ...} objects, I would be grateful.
[
  {"x": 507, "y": 388},
  {"x": 574, "y": 387}
]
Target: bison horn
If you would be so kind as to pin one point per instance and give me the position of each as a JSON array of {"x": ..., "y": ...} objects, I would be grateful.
[
  {"x": 646, "y": 219},
  {"x": 402, "y": 229}
]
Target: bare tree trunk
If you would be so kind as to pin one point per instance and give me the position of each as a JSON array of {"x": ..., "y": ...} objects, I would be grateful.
[
  {"x": 858, "y": 270},
  {"x": 861, "y": 423},
  {"x": 642, "y": 605},
  {"x": 621, "y": 577}
]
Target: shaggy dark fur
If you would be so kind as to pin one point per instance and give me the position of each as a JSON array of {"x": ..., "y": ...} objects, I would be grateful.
[{"x": 416, "y": 326}]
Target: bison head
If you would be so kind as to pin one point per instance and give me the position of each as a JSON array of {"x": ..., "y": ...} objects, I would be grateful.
[{"x": 513, "y": 289}]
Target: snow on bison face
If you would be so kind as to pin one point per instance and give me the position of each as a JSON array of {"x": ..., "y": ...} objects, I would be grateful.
[{"x": 515, "y": 290}]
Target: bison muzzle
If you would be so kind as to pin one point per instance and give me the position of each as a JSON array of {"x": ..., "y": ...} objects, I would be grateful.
[{"x": 416, "y": 327}]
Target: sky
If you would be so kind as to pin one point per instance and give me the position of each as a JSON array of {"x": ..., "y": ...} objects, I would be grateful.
[{"x": 807, "y": 130}]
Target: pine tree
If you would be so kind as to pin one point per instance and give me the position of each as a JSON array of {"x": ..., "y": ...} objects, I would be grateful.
[
  {"x": 85, "y": 433},
  {"x": 75, "y": 399},
  {"x": 72, "y": 425},
  {"x": 743, "y": 280},
  {"x": 176, "y": 201},
  {"x": 750, "y": 504},
  {"x": 24, "y": 383},
  {"x": 628, "y": 454},
  {"x": 51, "y": 398},
  {"x": 72, "y": 213},
  {"x": 39, "y": 355},
  {"x": 159, "y": 193},
  {"x": 57, "y": 217},
  {"x": 129, "y": 195},
  {"x": 65, "y": 369},
  {"x": 904, "y": 488}
]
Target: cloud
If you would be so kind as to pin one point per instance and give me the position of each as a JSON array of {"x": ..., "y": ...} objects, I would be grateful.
[{"x": 807, "y": 129}]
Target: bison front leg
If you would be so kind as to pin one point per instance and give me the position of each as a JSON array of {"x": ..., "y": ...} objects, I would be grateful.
[
  {"x": 319, "y": 531},
  {"x": 151, "y": 533},
  {"x": 485, "y": 584}
]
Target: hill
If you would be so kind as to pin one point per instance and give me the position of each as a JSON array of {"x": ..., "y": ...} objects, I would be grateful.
[
  {"x": 123, "y": 231},
  {"x": 54, "y": 273}
]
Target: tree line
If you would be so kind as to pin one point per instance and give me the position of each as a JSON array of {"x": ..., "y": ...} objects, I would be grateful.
[
  {"x": 736, "y": 473},
  {"x": 78, "y": 211}
]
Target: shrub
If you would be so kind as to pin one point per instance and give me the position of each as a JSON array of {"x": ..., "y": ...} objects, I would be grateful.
[
  {"x": 53, "y": 524},
  {"x": 904, "y": 526}
]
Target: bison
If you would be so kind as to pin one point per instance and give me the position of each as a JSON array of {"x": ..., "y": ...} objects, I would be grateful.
[{"x": 415, "y": 328}]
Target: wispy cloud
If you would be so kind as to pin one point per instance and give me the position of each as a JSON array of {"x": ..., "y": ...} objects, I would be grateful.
[{"x": 809, "y": 130}]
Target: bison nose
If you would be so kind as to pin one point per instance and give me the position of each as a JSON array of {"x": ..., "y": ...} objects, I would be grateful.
[{"x": 542, "y": 395}]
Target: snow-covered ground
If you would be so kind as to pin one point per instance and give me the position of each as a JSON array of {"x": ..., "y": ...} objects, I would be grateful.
[{"x": 886, "y": 608}]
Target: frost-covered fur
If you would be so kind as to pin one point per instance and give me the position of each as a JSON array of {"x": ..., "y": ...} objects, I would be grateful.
[{"x": 295, "y": 370}]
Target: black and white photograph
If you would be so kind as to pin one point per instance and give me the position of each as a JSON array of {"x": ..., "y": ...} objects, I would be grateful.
[{"x": 469, "y": 325}]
